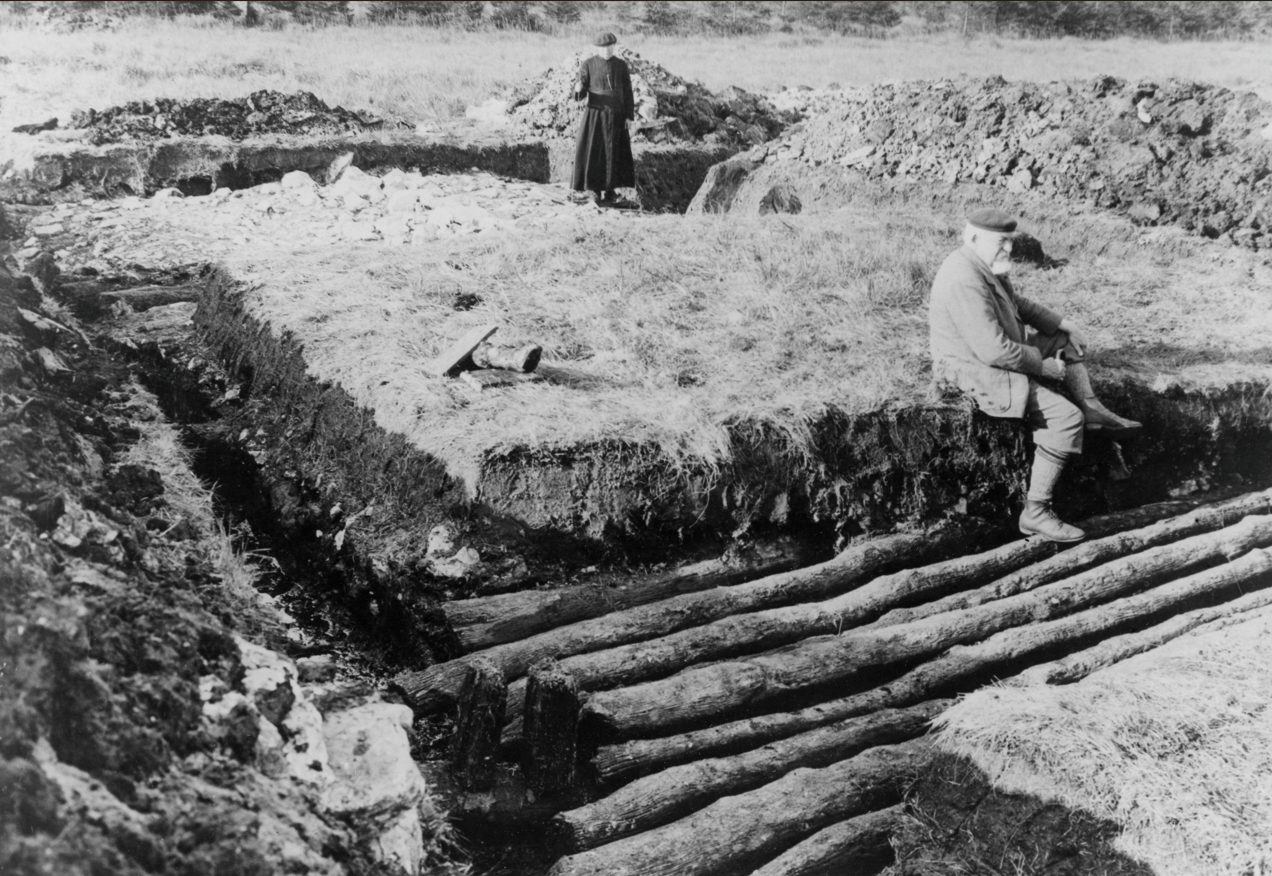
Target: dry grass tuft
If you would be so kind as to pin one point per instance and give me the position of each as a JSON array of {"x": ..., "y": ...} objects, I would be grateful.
[
  {"x": 159, "y": 447},
  {"x": 1175, "y": 745}
]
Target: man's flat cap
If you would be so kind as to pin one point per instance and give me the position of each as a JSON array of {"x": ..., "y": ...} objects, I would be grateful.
[
  {"x": 991, "y": 219},
  {"x": 605, "y": 39}
]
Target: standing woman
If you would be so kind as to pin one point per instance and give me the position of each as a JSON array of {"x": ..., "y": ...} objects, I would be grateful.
[{"x": 603, "y": 154}]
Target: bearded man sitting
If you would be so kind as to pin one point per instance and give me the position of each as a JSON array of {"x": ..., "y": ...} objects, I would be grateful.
[{"x": 979, "y": 342}]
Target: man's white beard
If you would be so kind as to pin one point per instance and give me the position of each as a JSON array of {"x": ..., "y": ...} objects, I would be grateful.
[{"x": 1000, "y": 267}]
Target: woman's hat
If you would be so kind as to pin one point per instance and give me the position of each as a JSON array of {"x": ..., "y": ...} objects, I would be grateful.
[{"x": 605, "y": 39}]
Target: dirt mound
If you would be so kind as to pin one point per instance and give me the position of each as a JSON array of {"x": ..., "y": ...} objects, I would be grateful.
[
  {"x": 668, "y": 108},
  {"x": 262, "y": 112},
  {"x": 1180, "y": 153}
]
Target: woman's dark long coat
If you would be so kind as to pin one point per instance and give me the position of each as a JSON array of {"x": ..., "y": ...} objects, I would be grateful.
[{"x": 603, "y": 153}]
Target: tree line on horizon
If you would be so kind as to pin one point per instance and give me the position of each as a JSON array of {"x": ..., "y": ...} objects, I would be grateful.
[{"x": 1097, "y": 19}]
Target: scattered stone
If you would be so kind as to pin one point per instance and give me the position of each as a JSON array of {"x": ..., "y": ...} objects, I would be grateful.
[{"x": 262, "y": 112}]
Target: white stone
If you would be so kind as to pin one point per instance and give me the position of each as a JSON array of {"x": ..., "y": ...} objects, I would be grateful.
[
  {"x": 394, "y": 179},
  {"x": 402, "y": 201},
  {"x": 401, "y": 843},
  {"x": 51, "y": 228},
  {"x": 297, "y": 180},
  {"x": 376, "y": 195},
  {"x": 168, "y": 194},
  {"x": 370, "y": 758}
]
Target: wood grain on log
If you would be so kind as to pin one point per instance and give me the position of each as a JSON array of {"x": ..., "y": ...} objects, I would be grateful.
[
  {"x": 1081, "y": 664},
  {"x": 509, "y": 617},
  {"x": 740, "y": 831},
  {"x": 552, "y": 729},
  {"x": 859, "y": 563},
  {"x": 1206, "y": 518},
  {"x": 857, "y": 846},
  {"x": 761, "y": 630},
  {"x": 475, "y": 745},
  {"x": 675, "y": 792},
  {"x": 638, "y": 757},
  {"x": 701, "y": 694}
]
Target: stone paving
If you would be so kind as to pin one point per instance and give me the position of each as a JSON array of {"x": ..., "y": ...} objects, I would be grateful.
[{"x": 399, "y": 209}]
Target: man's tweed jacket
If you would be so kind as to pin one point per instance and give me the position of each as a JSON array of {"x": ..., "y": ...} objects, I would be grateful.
[{"x": 978, "y": 340}]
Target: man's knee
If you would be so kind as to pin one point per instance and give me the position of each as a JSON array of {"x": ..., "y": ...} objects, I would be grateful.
[{"x": 1062, "y": 424}]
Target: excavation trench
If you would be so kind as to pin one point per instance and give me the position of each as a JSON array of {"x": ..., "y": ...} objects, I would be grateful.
[{"x": 294, "y": 459}]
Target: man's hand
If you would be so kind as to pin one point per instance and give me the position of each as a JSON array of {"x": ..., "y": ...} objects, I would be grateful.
[
  {"x": 1053, "y": 369},
  {"x": 1077, "y": 336}
]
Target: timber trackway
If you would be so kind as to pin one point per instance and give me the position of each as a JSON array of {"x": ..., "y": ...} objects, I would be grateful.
[
  {"x": 702, "y": 716},
  {"x": 716, "y": 732}
]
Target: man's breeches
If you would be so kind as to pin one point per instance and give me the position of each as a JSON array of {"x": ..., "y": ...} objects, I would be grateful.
[{"x": 1057, "y": 422}]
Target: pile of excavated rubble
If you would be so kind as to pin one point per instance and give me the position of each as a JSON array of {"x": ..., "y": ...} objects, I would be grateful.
[
  {"x": 668, "y": 108},
  {"x": 262, "y": 112},
  {"x": 1178, "y": 153}
]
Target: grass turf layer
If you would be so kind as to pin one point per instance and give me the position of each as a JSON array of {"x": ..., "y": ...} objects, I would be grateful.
[{"x": 1172, "y": 745}]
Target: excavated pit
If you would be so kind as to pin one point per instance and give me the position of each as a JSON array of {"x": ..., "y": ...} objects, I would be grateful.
[
  {"x": 55, "y": 171},
  {"x": 346, "y": 504}
]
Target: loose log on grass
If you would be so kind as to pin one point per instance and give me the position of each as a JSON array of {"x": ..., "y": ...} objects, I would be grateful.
[
  {"x": 1077, "y": 666},
  {"x": 758, "y": 631},
  {"x": 1206, "y": 518},
  {"x": 552, "y": 729},
  {"x": 701, "y": 694},
  {"x": 524, "y": 358},
  {"x": 439, "y": 684},
  {"x": 857, "y": 846},
  {"x": 737, "y": 832},
  {"x": 475, "y": 745},
  {"x": 509, "y": 617},
  {"x": 665, "y": 796}
]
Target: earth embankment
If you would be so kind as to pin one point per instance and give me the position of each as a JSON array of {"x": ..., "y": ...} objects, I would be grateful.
[{"x": 1171, "y": 153}]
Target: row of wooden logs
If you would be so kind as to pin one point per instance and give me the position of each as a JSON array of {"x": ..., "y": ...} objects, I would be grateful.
[{"x": 765, "y": 694}]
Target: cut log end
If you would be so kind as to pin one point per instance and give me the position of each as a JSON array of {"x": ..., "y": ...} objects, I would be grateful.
[
  {"x": 551, "y": 728},
  {"x": 475, "y": 746}
]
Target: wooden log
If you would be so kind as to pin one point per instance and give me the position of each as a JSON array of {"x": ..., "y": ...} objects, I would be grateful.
[
  {"x": 615, "y": 763},
  {"x": 509, "y": 804},
  {"x": 673, "y": 793},
  {"x": 524, "y": 358},
  {"x": 509, "y": 617},
  {"x": 858, "y": 846},
  {"x": 141, "y": 298},
  {"x": 704, "y": 694},
  {"x": 1081, "y": 664},
  {"x": 1206, "y": 518},
  {"x": 738, "y": 832},
  {"x": 475, "y": 745},
  {"x": 433, "y": 689},
  {"x": 552, "y": 729},
  {"x": 761, "y": 630},
  {"x": 856, "y": 564}
]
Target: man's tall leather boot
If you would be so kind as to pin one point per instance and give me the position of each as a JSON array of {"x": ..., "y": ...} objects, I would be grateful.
[
  {"x": 1098, "y": 418},
  {"x": 1038, "y": 518}
]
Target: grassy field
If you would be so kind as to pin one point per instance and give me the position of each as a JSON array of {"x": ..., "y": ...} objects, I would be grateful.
[
  {"x": 1173, "y": 745},
  {"x": 674, "y": 332},
  {"x": 423, "y": 74}
]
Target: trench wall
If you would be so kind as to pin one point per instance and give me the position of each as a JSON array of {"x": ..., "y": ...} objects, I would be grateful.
[
  {"x": 668, "y": 175},
  {"x": 866, "y": 473}
]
